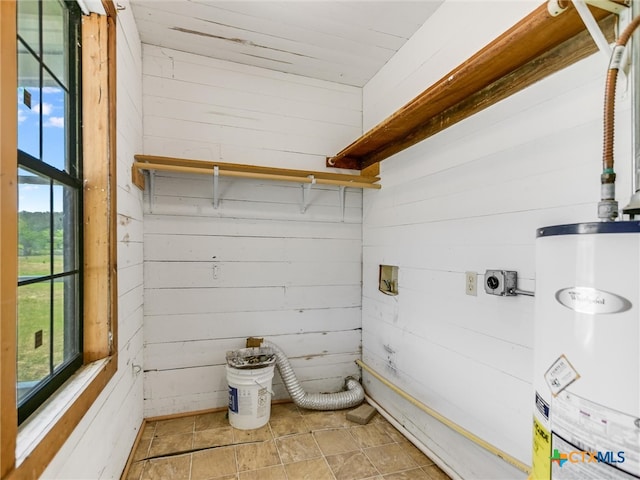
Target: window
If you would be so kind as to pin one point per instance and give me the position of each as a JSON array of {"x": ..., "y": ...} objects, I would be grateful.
[
  {"x": 49, "y": 331},
  {"x": 65, "y": 182}
]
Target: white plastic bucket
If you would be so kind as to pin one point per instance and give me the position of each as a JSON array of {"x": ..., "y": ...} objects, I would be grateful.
[{"x": 249, "y": 396}]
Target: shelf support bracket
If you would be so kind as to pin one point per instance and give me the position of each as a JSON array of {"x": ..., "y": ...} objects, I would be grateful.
[
  {"x": 306, "y": 189},
  {"x": 216, "y": 191},
  {"x": 341, "y": 193},
  {"x": 592, "y": 27}
]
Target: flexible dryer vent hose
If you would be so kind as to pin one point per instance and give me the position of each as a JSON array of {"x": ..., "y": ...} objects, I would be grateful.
[{"x": 352, "y": 396}]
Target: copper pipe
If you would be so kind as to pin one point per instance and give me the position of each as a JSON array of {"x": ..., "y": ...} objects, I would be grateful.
[
  {"x": 608, "y": 205},
  {"x": 608, "y": 176}
]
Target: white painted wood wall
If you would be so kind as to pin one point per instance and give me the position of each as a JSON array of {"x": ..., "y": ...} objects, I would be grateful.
[
  {"x": 201, "y": 108},
  {"x": 99, "y": 446},
  {"x": 470, "y": 199},
  {"x": 256, "y": 266}
]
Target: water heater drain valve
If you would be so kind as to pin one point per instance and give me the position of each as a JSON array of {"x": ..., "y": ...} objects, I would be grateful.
[{"x": 501, "y": 282}]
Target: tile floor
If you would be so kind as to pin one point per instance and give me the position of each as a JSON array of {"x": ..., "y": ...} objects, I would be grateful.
[{"x": 296, "y": 444}]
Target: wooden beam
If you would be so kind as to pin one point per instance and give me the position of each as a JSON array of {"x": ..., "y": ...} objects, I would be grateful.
[
  {"x": 96, "y": 141},
  {"x": 567, "y": 53},
  {"x": 526, "y": 44},
  {"x": 8, "y": 234}
]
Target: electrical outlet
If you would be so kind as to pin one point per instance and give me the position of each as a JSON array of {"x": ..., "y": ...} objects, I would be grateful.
[{"x": 471, "y": 282}]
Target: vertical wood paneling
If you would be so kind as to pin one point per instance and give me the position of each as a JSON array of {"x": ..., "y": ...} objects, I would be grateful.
[
  {"x": 256, "y": 266},
  {"x": 99, "y": 446},
  {"x": 470, "y": 199}
]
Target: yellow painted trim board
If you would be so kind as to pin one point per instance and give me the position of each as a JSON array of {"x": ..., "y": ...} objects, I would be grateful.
[{"x": 441, "y": 418}]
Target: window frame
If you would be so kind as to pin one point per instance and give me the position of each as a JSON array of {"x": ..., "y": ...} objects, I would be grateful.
[
  {"x": 100, "y": 266},
  {"x": 72, "y": 179}
]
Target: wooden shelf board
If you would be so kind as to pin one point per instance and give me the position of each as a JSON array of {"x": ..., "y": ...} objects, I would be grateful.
[
  {"x": 152, "y": 162},
  {"x": 525, "y": 49}
]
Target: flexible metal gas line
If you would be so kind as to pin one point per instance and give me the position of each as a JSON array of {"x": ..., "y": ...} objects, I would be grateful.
[{"x": 608, "y": 206}]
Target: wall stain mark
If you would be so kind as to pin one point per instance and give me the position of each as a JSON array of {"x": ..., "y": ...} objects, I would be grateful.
[
  {"x": 267, "y": 58},
  {"x": 239, "y": 41},
  {"x": 124, "y": 219},
  {"x": 391, "y": 360}
]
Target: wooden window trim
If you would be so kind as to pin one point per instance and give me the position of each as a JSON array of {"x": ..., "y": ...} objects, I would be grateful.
[{"x": 100, "y": 313}]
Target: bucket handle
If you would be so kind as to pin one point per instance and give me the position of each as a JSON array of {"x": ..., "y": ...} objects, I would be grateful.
[{"x": 267, "y": 389}]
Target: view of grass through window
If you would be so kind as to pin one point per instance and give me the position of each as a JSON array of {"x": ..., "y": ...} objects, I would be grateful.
[{"x": 35, "y": 301}]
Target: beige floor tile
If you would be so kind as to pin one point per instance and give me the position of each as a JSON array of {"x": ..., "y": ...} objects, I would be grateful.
[
  {"x": 288, "y": 425},
  {"x": 148, "y": 431},
  {"x": 207, "y": 421},
  {"x": 270, "y": 473},
  {"x": 323, "y": 420},
  {"x": 296, "y": 448},
  {"x": 390, "y": 458},
  {"x": 135, "y": 471},
  {"x": 217, "y": 437},
  {"x": 175, "y": 468},
  {"x": 351, "y": 466},
  {"x": 174, "y": 426},
  {"x": 290, "y": 447},
  {"x": 284, "y": 410},
  {"x": 413, "y": 474},
  {"x": 335, "y": 441},
  {"x": 435, "y": 473},
  {"x": 213, "y": 463},
  {"x": 171, "y": 444},
  {"x": 370, "y": 436},
  {"x": 390, "y": 430},
  {"x": 314, "y": 469},
  {"x": 142, "y": 450},
  {"x": 253, "y": 456},
  {"x": 261, "y": 434},
  {"x": 420, "y": 458}
]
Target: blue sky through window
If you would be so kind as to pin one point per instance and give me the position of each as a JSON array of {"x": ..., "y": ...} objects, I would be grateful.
[{"x": 35, "y": 198}]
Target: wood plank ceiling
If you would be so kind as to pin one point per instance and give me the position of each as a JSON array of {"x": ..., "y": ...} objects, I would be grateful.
[{"x": 340, "y": 41}]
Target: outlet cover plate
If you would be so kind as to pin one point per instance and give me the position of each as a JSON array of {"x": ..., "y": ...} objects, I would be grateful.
[{"x": 471, "y": 283}]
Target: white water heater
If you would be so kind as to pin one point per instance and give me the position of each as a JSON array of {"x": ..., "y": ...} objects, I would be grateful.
[{"x": 587, "y": 352}]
